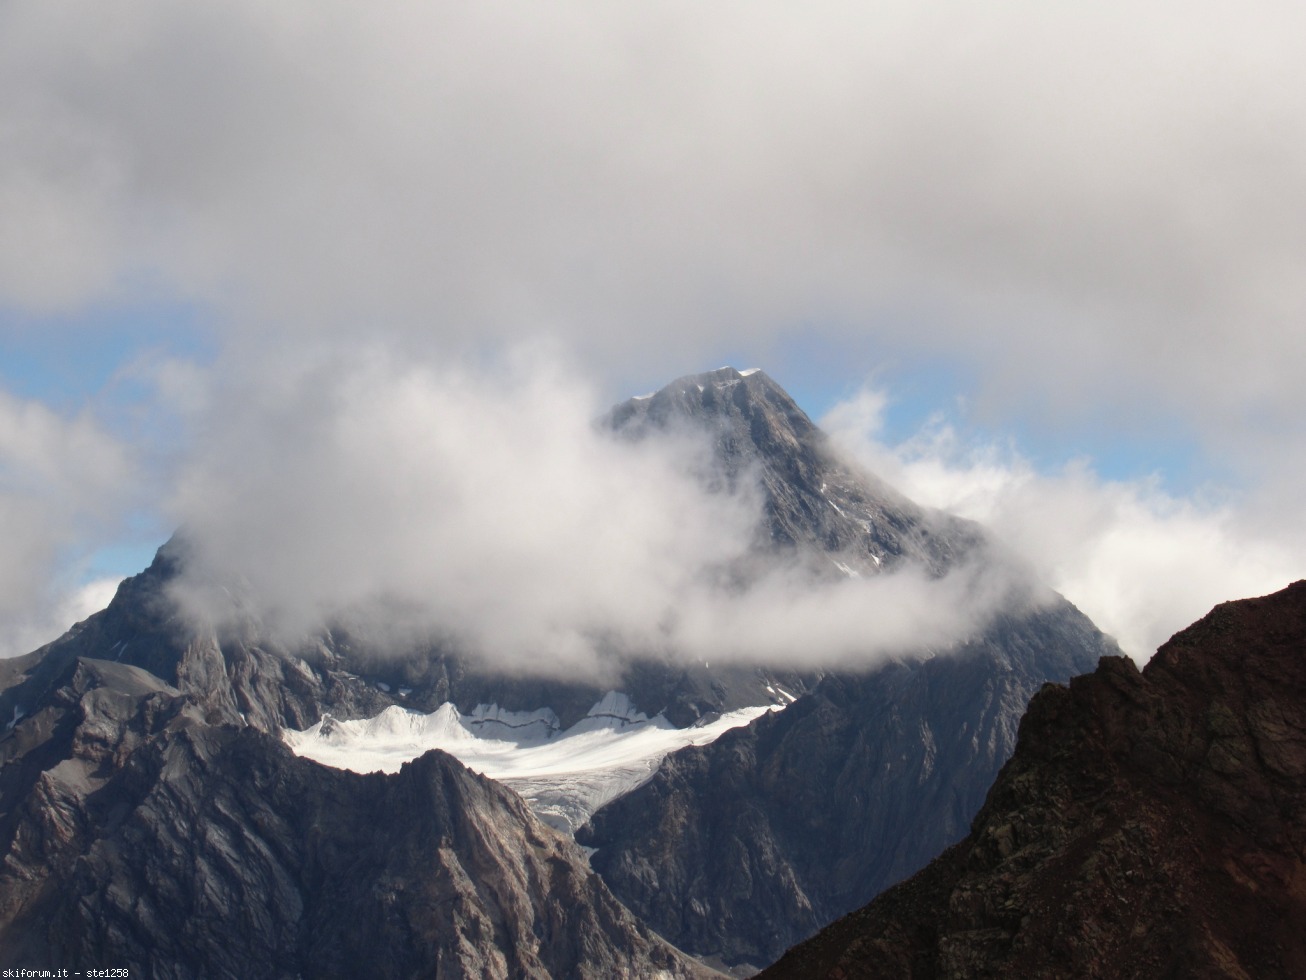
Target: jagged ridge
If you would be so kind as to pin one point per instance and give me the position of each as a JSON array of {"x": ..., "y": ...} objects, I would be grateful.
[
  {"x": 1149, "y": 824},
  {"x": 814, "y": 503}
]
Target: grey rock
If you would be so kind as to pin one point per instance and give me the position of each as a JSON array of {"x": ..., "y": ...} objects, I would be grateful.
[
  {"x": 741, "y": 848},
  {"x": 139, "y": 778},
  {"x": 137, "y": 834},
  {"x": 817, "y": 508}
]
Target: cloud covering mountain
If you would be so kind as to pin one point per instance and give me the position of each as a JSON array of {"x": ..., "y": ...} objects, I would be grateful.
[
  {"x": 1089, "y": 216},
  {"x": 494, "y": 513}
]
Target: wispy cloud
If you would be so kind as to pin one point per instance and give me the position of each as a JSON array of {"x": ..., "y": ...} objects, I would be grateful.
[
  {"x": 1141, "y": 562},
  {"x": 1082, "y": 208},
  {"x": 65, "y": 484}
]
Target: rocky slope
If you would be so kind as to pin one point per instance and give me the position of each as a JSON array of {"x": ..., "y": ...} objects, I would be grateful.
[
  {"x": 741, "y": 848},
  {"x": 238, "y": 674},
  {"x": 839, "y": 520},
  {"x": 1149, "y": 824},
  {"x": 136, "y": 834}
]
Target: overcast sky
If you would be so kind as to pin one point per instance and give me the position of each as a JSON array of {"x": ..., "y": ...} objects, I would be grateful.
[{"x": 1039, "y": 267}]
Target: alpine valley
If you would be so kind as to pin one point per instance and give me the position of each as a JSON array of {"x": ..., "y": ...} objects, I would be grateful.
[{"x": 198, "y": 800}]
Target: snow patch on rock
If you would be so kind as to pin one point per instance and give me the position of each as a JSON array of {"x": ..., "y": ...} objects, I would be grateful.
[{"x": 564, "y": 775}]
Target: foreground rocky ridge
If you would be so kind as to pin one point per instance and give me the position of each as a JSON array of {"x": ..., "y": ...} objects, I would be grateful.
[
  {"x": 134, "y": 833},
  {"x": 1149, "y": 824}
]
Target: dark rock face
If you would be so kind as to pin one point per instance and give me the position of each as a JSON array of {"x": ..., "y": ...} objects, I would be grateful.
[
  {"x": 236, "y": 677},
  {"x": 135, "y": 834},
  {"x": 745, "y": 846},
  {"x": 814, "y": 504},
  {"x": 1149, "y": 824},
  {"x": 815, "y": 508}
]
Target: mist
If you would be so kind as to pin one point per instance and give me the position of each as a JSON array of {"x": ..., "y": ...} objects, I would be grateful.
[
  {"x": 1089, "y": 215},
  {"x": 1142, "y": 562},
  {"x": 486, "y": 510}
]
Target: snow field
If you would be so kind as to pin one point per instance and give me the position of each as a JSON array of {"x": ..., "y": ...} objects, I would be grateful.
[{"x": 564, "y": 775}]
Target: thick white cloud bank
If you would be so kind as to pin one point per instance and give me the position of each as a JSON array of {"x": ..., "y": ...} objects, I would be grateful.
[
  {"x": 1140, "y": 562},
  {"x": 488, "y": 510},
  {"x": 1089, "y": 204}
]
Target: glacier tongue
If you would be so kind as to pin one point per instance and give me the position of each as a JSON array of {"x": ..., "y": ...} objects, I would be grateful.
[{"x": 564, "y": 776}]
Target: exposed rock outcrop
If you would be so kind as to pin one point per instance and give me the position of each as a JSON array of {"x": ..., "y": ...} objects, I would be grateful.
[
  {"x": 1150, "y": 824},
  {"x": 139, "y": 835},
  {"x": 139, "y": 777},
  {"x": 741, "y": 848},
  {"x": 815, "y": 506},
  {"x": 240, "y": 674}
]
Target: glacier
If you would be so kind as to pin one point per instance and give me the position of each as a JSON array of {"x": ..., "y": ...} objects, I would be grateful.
[{"x": 564, "y": 776}]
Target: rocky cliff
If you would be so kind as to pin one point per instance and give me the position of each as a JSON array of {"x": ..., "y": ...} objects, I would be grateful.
[
  {"x": 239, "y": 674},
  {"x": 136, "y": 834},
  {"x": 741, "y": 848},
  {"x": 1150, "y": 824}
]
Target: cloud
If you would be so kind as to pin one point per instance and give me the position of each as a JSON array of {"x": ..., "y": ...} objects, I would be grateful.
[
  {"x": 487, "y": 511},
  {"x": 1141, "y": 562},
  {"x": 1093, "y": 213},
  {"x": 1088, "y": 206},
  {"x": 32, "y": 627},
  {"x": 785, "y": 620},
  {"x": 65, "y": 485}
]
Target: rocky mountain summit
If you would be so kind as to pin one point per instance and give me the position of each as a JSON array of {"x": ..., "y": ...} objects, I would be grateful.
[
  {"x": 1149, "y": 824},
  {"x": 841, "y": 520},
  {"x": 738, "y": 849}
]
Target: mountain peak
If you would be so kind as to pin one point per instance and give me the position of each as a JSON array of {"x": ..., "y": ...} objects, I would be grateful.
[
  {"x": 812, "y": 500},
  {"x": 749, "y": 396}
]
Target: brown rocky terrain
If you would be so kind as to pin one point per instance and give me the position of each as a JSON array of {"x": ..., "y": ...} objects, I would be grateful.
[{"x": 1149, "y": 824}]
